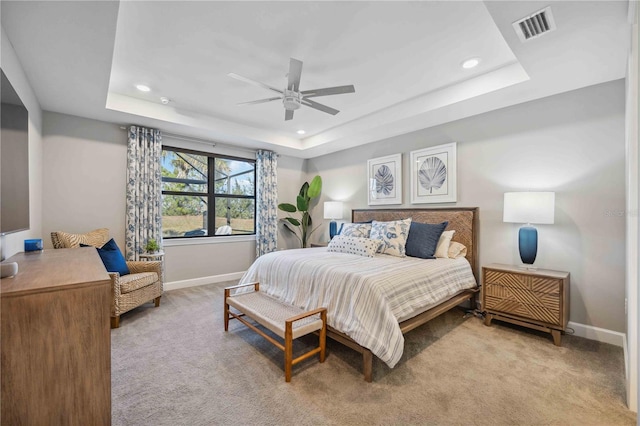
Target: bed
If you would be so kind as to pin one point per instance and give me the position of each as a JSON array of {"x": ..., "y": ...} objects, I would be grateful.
[{"x": 372, "y": 302}]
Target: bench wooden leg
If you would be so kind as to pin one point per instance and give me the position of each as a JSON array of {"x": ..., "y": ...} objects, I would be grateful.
[{"x": 288, "y": 352}]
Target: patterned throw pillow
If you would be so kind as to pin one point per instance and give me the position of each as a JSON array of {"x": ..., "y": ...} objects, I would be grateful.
[
  {"x": 96, "y": 238},
  {"x": 354, "y": 245},
  {"x": 393, "y": 235},
  {"x": 359, "y": 230}
]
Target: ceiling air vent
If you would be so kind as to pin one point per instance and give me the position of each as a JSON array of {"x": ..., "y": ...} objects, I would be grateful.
[{"x": 533, "y": 26}]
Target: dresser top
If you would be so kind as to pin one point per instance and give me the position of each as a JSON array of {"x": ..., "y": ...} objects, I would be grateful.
[
  {"x": 51, "y": 270},
  {"x": 524, "y": 271}
]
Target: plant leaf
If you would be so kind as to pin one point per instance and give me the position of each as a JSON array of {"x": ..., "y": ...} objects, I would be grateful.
[
  {"x": 303, "y": 204},
  {"x": 293, "y": 221},
  {"x": 315, "y": 188},
  {"x": 289, "y": 208},
  {"x": 303, "y": 190}
]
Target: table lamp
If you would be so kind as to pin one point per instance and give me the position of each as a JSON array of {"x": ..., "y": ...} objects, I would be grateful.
[
  {"x": 333, "y": 210},
  {"x": 529, "y": 208}
]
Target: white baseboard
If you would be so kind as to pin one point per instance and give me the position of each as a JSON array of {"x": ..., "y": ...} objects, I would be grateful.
[
  {"x": 174, "y": 285},
  {"x": 598, "y": 334}
]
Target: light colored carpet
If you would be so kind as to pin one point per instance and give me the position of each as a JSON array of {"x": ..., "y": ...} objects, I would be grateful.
[{"x": 175, "y": 365}]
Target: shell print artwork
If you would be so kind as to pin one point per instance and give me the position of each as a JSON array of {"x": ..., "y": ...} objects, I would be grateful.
[
  {"x": 384, "y": 180},
  {"x": 432, "y": 174}
]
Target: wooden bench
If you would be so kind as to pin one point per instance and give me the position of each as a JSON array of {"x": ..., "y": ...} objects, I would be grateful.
[{"x": 287, "y": 321}]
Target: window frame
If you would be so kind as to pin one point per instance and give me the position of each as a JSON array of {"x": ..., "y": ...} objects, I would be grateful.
[{"x": 211, "y": 195}]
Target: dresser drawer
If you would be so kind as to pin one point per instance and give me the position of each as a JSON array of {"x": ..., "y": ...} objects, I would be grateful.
[{"x": 524, "y": 282}]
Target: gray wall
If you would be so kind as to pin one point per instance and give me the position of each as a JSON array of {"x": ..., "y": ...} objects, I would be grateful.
[{"x": 572, "y": 144}]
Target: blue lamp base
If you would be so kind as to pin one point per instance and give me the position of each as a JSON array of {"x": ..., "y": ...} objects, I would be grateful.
[
  {"x": 333, "y": 229},
  {"x": 528, "y": 244}
]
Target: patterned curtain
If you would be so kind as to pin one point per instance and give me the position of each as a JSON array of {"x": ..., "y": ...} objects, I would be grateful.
[
  {"x": 144, "y": 191},
  {"x": 267, "y": 202}
]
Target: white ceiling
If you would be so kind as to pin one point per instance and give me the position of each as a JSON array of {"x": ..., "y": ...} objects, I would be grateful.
[{"x": 404, "y": 59}]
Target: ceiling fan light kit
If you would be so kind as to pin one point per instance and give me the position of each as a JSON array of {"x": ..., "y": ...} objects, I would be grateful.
[
  {"x": 292, "y": 97},
  {"x": 291, "y": 100}
]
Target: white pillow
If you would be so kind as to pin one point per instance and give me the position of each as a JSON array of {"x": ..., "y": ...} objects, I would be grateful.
[
  {"x": 442, "y": 250},
  {"x": 457, "y": 250},
  {"x": 360, "y": 230},
  {"x": 354, "y": 245},
  {"x": 393, "y": 235}
]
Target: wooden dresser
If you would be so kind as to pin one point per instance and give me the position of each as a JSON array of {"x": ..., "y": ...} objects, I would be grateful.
[
  {"x": 56, "y": 341},
  {"x": 537, "y": 299}
]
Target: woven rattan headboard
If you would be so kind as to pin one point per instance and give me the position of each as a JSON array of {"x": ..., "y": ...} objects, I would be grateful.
[{"x": 464, "y": 220}]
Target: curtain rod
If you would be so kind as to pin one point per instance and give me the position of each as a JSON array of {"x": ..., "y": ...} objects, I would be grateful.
[{"x": 200, "y": 140}]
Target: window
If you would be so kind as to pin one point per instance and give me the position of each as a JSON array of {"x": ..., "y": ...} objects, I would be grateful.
[{"x": 206, "y": 194}]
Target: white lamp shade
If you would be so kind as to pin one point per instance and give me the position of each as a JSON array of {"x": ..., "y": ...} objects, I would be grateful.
[
  {"x": 333, "y": 209},
  {"x": 529, "y": 207}
]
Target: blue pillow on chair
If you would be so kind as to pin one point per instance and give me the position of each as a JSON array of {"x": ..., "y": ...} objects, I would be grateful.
[
  {"x": 112, "y": 257},
  {"x": 423, "y": 239}
]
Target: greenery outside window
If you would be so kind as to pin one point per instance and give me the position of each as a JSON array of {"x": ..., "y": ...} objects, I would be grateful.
[{"x": 206, "y": 195}]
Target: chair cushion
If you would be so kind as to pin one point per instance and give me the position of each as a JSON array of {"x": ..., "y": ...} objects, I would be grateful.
[
  {"x": 95, "y": 238},
  {"x": 133, "y": 282}
]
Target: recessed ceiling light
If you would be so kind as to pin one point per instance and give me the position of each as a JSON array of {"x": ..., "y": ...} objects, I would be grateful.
[
  {"x": 165, "y": 100},
  {"x": 301, "y": 132},
  {"x": 470, "y": 63},
  {"x": 143, "y": 88}
]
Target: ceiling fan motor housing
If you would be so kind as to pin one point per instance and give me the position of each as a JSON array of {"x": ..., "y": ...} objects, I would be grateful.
[{"x": 291, "y": 100}]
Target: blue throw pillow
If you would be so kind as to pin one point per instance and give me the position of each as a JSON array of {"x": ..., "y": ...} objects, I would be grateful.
[
  {"x": 112, "y": 257},
  {"x": 423, "y": 239}
]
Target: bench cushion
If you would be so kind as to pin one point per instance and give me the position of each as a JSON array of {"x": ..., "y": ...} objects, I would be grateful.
[{"x": 272, "y": 313}]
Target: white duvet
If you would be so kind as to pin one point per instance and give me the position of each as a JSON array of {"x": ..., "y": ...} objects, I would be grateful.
[{"x": 365, "y": 297}]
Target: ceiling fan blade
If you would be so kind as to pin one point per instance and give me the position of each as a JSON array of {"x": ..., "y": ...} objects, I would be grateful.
[
  {"x": 260, "y": 101},
  {"x": 328, "y": 91},
  {"x": 255, "y": 83},
  {"x": 319, "y": 107},
  {"x": 295, "y": 71},
  {"x": 288, "y": 115}
]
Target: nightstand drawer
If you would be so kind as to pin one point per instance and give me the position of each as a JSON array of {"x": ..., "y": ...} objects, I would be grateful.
[
  {"x": 524, "y": 282},
  {"x": 527, "y": 304},
  {"x": 524, "y": 310}
]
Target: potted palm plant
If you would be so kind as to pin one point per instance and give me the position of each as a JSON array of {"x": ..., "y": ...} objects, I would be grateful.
[{"x": 301, "y": 226}]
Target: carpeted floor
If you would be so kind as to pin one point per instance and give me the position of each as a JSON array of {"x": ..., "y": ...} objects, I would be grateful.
[{"x": 175, "y": 365}]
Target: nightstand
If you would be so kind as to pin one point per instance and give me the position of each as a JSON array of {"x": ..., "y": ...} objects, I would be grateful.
[
  {"x": 537, "y": 299},
  {"x": 319, "y": 244}
]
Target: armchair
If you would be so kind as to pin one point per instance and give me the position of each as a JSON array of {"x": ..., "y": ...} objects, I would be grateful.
[{"x": 143, "y": 284}]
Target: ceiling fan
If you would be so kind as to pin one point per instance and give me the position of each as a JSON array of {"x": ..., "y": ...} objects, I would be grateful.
[{"x": 292, "y": 97}]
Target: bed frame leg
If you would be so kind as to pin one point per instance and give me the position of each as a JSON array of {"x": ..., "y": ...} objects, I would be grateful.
[
  {"x": 474, "y": 301},
  {"x": 367, "y": 365}
]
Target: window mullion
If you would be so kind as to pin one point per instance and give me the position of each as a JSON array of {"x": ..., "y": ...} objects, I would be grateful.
[{"x": 211, "y": 228}]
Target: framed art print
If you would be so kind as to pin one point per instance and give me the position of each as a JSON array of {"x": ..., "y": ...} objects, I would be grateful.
[
  {"x": 433, "y": 174},
  {"x": 385, "y": 180}
]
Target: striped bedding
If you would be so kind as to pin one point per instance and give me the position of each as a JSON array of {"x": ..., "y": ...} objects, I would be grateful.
[{"x": 365, "y": 297}]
